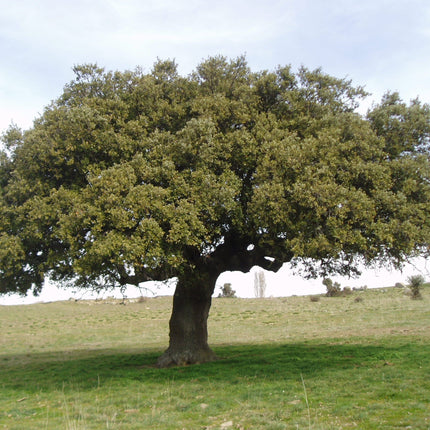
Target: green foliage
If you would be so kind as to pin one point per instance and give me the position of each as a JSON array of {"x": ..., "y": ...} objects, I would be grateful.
[
  {"x": 416, "y": 282},
  {"x": 132, "y": 176},
  {"x": 392, "y": 120}
]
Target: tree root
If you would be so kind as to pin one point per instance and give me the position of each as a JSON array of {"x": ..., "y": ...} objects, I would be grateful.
[{"x": 185, "y": 357}]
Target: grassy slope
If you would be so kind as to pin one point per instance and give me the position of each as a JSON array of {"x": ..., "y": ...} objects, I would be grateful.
[{"x": 285, "y": 363}]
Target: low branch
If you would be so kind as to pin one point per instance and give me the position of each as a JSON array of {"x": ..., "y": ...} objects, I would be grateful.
[{"x": 229, "y": 258}]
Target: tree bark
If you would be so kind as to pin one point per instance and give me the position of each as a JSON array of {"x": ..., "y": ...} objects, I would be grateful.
[{"x": 188, "y": 324}]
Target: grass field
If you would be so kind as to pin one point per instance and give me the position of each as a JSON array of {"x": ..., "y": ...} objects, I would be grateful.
[{"x": 285, "y": 363}]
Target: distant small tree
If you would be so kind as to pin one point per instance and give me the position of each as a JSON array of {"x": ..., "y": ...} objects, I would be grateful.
[
  {"x": 259, "y": 284},
  {"x": 416, "y": 282},
  {"x": 227, "y": 291},
  {"x": 333, "y": 289}
]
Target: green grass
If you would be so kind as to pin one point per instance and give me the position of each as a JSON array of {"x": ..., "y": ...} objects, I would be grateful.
[{"x": 285, "y": 363}]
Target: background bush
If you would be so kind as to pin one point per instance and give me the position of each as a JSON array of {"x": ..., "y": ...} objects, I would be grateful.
[
  {"x": 227, "y": 291},
  {"x": 416, "y": 282},
  {"x": 333, "y": 289}
]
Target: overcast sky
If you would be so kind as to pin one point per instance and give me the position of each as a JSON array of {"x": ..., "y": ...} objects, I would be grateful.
[{"x": 380, "y": 44}]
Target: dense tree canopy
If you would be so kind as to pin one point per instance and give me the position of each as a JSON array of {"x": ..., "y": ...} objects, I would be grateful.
[{"x": 133, "y": 176}]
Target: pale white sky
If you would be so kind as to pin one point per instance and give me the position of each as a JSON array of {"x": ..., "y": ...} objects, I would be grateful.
[{"x": 380, "y": 44}]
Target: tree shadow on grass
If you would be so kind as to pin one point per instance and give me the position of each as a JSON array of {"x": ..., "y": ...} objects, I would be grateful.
[{"x": 50, "y": 371}]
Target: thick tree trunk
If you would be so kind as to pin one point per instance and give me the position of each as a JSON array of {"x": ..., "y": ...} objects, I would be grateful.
[{"x": 188, "y": 323}]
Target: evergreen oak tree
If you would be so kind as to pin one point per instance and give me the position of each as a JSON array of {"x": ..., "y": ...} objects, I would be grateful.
[{"x": 132, "y": 176}]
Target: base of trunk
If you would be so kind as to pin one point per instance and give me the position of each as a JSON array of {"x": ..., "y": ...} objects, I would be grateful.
[
  {"x": 188, "y": 338},
  {"x": 185, "y": 357}
]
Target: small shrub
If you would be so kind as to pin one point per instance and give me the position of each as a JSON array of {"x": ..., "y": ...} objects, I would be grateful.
[
  {"x": 315, "y": 298},
  {"x": 333, "y": 289},
  {"x": 415, "y": 284},
  {"x": 227, "y": 291},
  {"x": 358, "y": 299},
  {"x": 399, "y": 285},
  {"x": 347, "y": 291}
]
